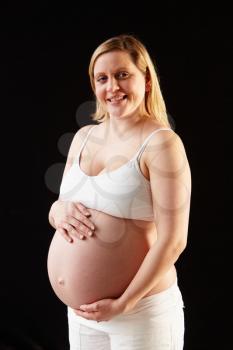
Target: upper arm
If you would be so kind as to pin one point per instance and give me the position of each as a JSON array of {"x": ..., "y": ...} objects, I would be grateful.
[
  {"x": 170, "y": 179},
  {"x": 75, "y": 146}
]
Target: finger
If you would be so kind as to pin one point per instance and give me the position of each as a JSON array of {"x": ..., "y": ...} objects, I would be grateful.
[
  {"x": 81, "y": 213},
  {"x": 89, "y": 308},
  {"x": 65, "y": 234},
  {"x": 88, "y": 315},
  {"x": 82, "y": 208},
  {"x": 84, "y": 226},
  {"x": 72, "y": 231}
]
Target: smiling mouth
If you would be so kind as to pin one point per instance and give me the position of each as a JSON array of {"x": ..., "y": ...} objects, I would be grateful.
[{"x": 117, "y": 99}]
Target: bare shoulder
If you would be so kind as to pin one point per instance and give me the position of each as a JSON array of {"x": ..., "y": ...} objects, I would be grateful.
[
  {"x": 166, "y": 137},
  {"x": 77, "y": 142},
  {"x": 81, "y": 134},
  {"x": 75, "y": 146},
  {"x": 162, "y": 136},
  {"x": 167, "y": 150}
]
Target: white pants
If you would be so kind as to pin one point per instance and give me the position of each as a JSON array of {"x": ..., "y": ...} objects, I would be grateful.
[{"x": 155, "y": 323}]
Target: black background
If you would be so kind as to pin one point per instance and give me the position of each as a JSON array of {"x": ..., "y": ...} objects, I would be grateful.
[{"x": 45, "y": 54}]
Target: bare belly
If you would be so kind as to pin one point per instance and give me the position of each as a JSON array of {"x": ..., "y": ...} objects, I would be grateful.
[{"x": 101, "y": 266}]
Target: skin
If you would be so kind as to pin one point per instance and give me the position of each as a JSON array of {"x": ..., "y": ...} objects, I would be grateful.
[{"x": 156, "y": 245}]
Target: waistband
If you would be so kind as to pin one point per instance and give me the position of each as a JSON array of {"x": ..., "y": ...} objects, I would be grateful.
[
  {"x": 149, "y": 307},
  {"x": 161, "y": 301}
]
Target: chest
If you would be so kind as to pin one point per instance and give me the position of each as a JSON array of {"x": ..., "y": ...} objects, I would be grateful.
[{"x": 98, "y": 159}]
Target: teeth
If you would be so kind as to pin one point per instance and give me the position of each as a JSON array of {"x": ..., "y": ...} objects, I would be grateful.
[{"x": 116, "y": 98}]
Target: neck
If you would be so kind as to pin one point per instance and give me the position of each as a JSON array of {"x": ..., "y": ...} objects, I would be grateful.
[{"x": 122, "y": 128}]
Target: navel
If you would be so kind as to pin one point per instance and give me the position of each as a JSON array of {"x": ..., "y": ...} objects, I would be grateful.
[{"x": 61, "y": 281}]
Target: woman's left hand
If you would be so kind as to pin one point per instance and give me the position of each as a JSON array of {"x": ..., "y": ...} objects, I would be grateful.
[{"x": 101, "y": 310}]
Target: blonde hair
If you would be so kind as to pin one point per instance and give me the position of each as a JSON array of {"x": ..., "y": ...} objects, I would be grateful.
[{"x": 154, "y": 105}]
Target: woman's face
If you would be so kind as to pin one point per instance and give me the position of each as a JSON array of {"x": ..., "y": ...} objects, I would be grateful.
[{"x": 119, "y": 84}]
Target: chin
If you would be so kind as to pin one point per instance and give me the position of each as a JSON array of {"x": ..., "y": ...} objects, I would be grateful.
[{"x": 122, "y": 115}]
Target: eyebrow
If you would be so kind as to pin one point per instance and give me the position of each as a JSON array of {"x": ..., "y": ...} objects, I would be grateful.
[{"x": 102, "y": 73}]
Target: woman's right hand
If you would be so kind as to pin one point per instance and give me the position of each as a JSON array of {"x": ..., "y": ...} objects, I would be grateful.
[{"x": 70, "y": 219}]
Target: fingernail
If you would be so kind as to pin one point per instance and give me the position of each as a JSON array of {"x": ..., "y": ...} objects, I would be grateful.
[
  {"x": 81, "y": 236},
  {"x": 90, "y": 233},
  {"x": 92, "y": 227},
  {"x": 87, "y": 213}
]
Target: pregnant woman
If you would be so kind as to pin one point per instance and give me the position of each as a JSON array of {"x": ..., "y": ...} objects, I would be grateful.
[{"x": 122, "y": 216}]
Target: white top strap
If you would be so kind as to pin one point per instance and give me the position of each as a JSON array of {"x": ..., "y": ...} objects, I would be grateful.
[
  {"x": 141, "y": 149},
  {"x": 85, "y": 140}
]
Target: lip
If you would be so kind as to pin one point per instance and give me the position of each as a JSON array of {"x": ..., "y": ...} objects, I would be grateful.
[{"x": 116, "y": 99}]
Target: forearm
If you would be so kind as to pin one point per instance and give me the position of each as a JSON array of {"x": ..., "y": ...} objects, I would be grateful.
[{"x": 156, "y": 264}]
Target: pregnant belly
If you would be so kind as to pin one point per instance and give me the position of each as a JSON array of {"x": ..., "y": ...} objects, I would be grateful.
[{"x": 98, "y": 267}]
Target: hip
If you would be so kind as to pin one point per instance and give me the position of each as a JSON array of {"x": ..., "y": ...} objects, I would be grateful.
[{"x": 163, "y": 308}]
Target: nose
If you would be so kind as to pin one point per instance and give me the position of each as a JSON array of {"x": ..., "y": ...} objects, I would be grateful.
[{"x": 112, "y": 85}]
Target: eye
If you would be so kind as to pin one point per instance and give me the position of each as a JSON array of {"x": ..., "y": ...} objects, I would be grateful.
[
  {"x": 122, "y": 75},
  {"x": 101, "y": 78}
]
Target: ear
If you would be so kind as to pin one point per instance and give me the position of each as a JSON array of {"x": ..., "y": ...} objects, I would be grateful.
[
  {"x": 148, "y": 86},
  {"x": 148, "y": 81}
]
